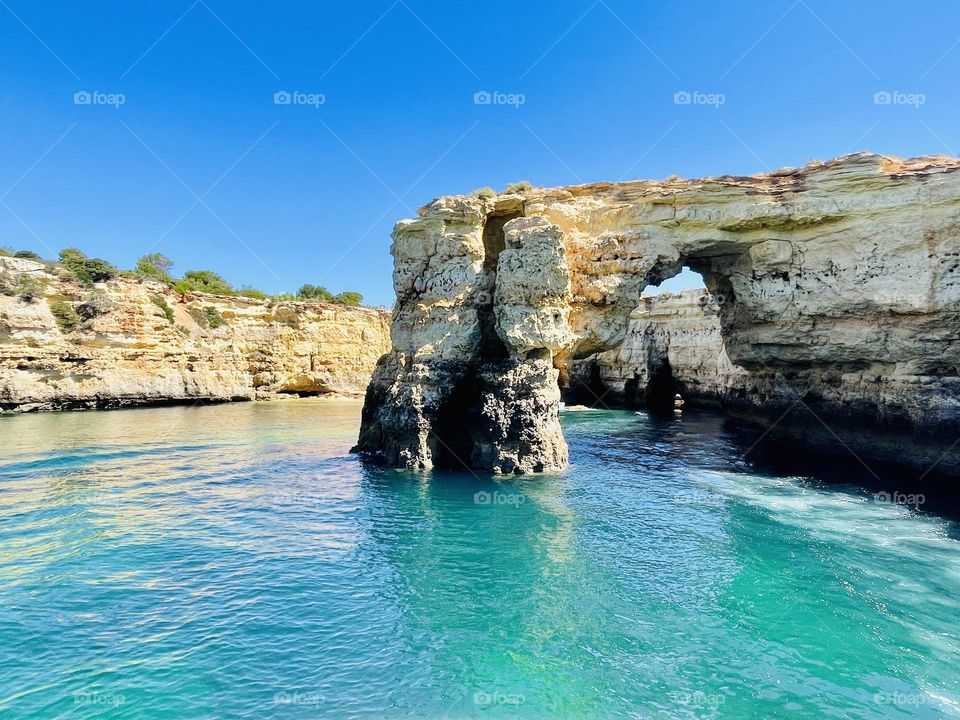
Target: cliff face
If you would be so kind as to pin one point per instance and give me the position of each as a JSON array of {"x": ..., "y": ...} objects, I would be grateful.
[
  {"x": 673, "y": 344},
  {"x": 841, "y": 305},
  {"x": 137, "y": 342}
]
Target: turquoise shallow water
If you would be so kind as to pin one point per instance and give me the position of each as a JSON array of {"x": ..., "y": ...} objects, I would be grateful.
[{"x": 237, "y": 562}]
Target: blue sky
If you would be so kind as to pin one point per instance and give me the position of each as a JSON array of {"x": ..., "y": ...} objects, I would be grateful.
[{"x": 199, "y": 163}]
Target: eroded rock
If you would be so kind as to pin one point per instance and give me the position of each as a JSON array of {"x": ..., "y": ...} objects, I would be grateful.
[
  {"x": 125, "y": 350},
  {"x": 839, "y": 288}
]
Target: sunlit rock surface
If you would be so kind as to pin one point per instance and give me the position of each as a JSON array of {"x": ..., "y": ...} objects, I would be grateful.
[
  {"x": 125, "y": 351},
  {"x": 840, "y": 288}
]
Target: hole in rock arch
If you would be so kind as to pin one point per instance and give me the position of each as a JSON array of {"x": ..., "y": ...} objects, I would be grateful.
[
  {"x": 662, "y": 381},
  {"x": 686, "y": 279}
]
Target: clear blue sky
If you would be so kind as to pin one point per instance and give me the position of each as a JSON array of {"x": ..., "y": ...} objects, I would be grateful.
[{"x": 307, "y": 193}]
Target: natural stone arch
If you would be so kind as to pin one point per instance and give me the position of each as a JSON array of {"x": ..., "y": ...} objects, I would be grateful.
[{"x": 809, "y": 263}]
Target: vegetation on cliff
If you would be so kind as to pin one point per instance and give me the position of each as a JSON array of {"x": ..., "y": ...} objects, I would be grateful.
[{"x": 155, "y": 266}]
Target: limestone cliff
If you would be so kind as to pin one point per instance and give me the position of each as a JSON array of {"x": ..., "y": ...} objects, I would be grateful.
[
  {"x": 841, "y": 283},
  {"x": 134, "y": 342}
]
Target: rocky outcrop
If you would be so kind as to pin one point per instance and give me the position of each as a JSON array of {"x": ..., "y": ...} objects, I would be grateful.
[
  {"x": 841, "y": 287},
  {"x": 135, "y": 342},
  {"x": 673, "y": 345}
]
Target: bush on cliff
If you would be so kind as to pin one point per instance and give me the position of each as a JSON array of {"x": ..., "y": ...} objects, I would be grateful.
[
  {"x": 317, "y": 293},
  {"x": 28, "y": 255},
  {"x": 353, "y": 299},
  {"x": 29, "y": 287},
  {"x": 247, "y": 291},
  {"x": 314, "y": 292},
  {"x": 86, "y": 270},
  {"x": 203, "y": 281},
  {"x": 164, "y": 307},
  {"x": 6, "y": 251},
  {"x": 97, "y": 304},
  {"x": 208, "y": 318},
  {"x": 214, "y": 318},
  {"x": 519, "y": 187},
  {"x": 8, "y": 286},
  {"x": 65, "y": 316},
  {"x": 156, "y": 267}
]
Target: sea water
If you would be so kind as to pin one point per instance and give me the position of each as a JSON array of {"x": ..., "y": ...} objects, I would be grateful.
[{"x": 236, "y": 561}]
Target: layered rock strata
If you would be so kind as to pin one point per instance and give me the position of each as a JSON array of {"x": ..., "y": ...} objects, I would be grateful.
[
  {"x": 133, "y": 342},
  {"x": 841, "y": 302}
]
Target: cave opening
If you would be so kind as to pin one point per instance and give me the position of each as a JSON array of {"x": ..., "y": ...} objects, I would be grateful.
[
  {"x": 451, "y": 440},
  {"x": 661, "y": 388}
]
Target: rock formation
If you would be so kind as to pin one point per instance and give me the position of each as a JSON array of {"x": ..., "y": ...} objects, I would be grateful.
[
  {"x": 673, "y": 345},
  {"x": 841, "y": 307},
  {"x": 136, "y": 342}
]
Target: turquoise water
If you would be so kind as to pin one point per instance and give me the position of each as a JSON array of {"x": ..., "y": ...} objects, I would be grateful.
[{"x": 237, "y": 562}]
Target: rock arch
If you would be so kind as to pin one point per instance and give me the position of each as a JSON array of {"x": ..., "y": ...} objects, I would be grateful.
[{"x": 839, "y": 279}]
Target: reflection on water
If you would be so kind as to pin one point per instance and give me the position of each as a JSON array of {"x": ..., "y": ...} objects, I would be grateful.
[{"x": 237, "y": 561}]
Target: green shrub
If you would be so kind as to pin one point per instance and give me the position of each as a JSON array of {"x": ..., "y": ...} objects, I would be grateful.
[
  {"x": 27, "y": 255},
  {"x": 485, "y": 193},
  {"x": 519, "y": 187},
  {"x": 8, "y": 286},
  {"x": 86, "y": 270},
  {"x": 315, "y": 292},
  {"x": 155, "y": 266},
  {"x": 203, "y": 281},
  {"x": 65, "y": 316},
  {"x": 348, "y": 298},
  {"x": 207, "y": 317},
  {"x": 247, "y": 291},
  {"x": 97, "y": 304},
  {"x": 6, "y": 251},
  {"x": 214, "y": 318},
  {"x": 199, "y": 317},
  {"x": 30, "y": 287},
  {"x": 164, "y": 307}
]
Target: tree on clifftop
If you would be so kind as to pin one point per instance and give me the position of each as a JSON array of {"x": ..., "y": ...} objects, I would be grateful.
[
  {"x": 156, "y": 266},
  {"x": 315, "y": 292},
  {"x": 348, "y": 298}
]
